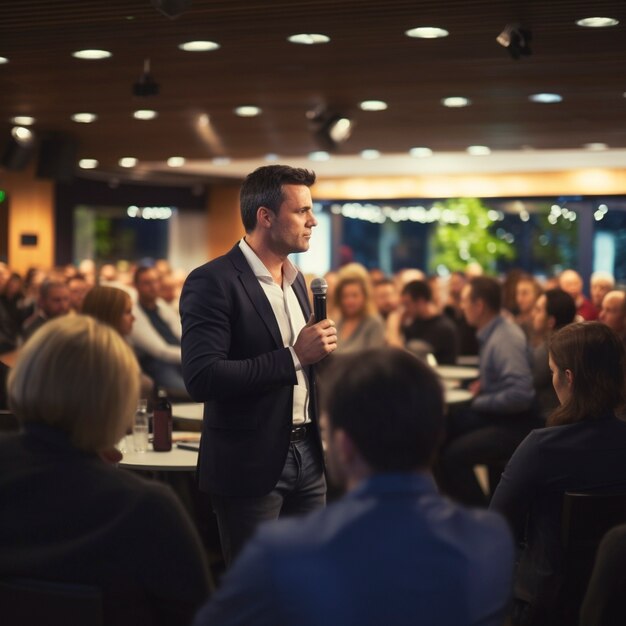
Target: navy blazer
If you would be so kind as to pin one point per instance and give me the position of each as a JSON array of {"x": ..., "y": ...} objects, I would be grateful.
[
  {"x": 393, "y": 551},
  {"x": 234, "y": 361}
]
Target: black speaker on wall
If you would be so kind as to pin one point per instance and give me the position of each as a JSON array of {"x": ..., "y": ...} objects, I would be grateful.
[{"x": 57, "y": 158}]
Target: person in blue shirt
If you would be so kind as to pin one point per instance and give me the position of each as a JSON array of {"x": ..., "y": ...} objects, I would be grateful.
[{"x": 392, "y": 551}]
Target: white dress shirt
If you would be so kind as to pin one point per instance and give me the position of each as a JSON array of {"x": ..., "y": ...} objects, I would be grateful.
[{"x": 290, "y": 318}]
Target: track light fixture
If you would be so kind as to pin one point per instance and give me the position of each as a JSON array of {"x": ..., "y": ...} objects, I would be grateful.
[
  {"x": 18, "y": 149},
  {"x": 516, "y": 39},
  {"x": 330, "y": 128},
  {"x": 146, "y": 86}
]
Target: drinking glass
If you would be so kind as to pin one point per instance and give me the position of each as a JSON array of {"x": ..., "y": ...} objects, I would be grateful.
[{"x": 140, "y": 426}]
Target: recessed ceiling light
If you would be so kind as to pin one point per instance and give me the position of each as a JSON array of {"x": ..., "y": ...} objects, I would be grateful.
[
  {"x": 199, "y": 46},
  {"x": 546, "y": 98},
  {"x": 221, "y": 161},
  {"x": 319, "y": 155},
  {"x": 91, "y": 55},
  {"x": 22, "y": 135},
  {"x": 427, "y": 32},
  {"x": 420, "y": 152},
  {"x": 596, "y": 146},
  {"x": 3, "y": 60},
  {"x": 456, "y": 102},
  {"x": 308, "y": 39},
  {"x": 247, "y": 111},
  {"x": 176, "y": 161},
  {"x": 370, "y": 154},
  {"x": 88, "y": 164},
  {"x": 478, "y": 150},
  {"x": 127, "y": 162},
  {"x": 271, "y": 156},
  {"x": 373, "y": 105},
  {"x": 23, "y": 120},
  {"x": 84, "y": 118},
  {"x": 597, "y": 22},
  {"x": 144, "y": 114}
]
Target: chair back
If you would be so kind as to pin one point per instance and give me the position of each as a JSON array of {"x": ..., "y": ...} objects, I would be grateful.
[
  {"x": 26, "y": 602},
  {"x": 586, "y": 518}
]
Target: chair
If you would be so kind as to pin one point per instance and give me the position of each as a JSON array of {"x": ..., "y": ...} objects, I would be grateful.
[
  {"x": 26, "y": 602},
  {"x": 586, "y": 518}
]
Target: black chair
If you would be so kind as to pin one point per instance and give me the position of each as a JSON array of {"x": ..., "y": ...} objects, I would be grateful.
[
  {"x": 586, "y": 518},
  {"x": 25, "y": 602}
]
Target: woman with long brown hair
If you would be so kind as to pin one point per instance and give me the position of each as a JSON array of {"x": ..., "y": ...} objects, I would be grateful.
[{"x": 583, "y": 449}]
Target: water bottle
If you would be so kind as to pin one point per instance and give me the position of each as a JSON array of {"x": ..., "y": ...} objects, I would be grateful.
[
  {"x": 162, "y": 423},
  {"x": 140, "y": 427}
]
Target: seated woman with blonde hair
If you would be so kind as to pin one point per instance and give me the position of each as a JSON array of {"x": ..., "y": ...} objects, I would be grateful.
[
  {"x": 359, "y": 327},
  {"x": 114, "y": 307},
  {"x": 68, "y": 516}
]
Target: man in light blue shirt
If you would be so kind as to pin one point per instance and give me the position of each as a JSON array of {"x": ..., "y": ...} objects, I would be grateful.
[
  {"x": 393, "y": 550},
  {"x": 502, "y": 412}
]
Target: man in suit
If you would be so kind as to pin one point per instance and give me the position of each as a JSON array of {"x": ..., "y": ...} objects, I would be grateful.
[
  {"x": 392, "y": 551},
  {"x": 248, "y": 345}
]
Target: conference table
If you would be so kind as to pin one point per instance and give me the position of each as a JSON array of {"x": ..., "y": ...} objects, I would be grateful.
[{"x": 176, "y": 460}]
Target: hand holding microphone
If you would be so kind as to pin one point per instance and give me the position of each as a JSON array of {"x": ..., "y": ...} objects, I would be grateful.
[{"x": 319, "y": 337}]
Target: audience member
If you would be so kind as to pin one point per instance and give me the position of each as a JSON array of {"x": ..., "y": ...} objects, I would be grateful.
[
  {"x": 501, "y": 414},
  {"x": 12, "y": 298},
  {"x": 582, "y": 450},
  {"x": 68, "y": 515},
  {"x": 359, "y": 326},
  {"x": 107, "y": 274},
  {"x": 604, "y": 603},
  {"x": 572, "y": 283},
  {"x": 167, "y": 291},
  {"x": 385, "y": 297},
  {"x": 156, "y": 334},
  {"x": 553, "y": 310},
  {"x": 391, "y": 551},
  {"x": 601, "y": 283},
  {"x": 78, "y": 289},
  {"x": 613, "y": 312},
  {"x": 87, "y": 268},
  {"x": 421, "y": 322},
  {"x": 468, "y": 344},
  {"x": 527, "y": 291},
  {"x": 509, "y": 290},
  {"x": 53, "y": 301}
]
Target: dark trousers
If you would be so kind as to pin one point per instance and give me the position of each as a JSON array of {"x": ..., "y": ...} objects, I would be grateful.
[
  {"x": 478, "y": 439},
  {"x": 300, "y": 489}
]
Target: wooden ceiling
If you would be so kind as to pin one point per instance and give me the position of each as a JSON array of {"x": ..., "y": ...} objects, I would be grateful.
[{"x": 368, "y": 57}]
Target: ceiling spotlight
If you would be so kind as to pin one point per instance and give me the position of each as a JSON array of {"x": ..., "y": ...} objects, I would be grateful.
[
  {"x": 18, "y": 150},
  {"x": 308, "y": 39},
  {"x": 247, "y": 111},
  {"x": 546, "y": 98},
  {"x": 478, "y": 150},
  {"x": 427, "y": 32},
  {"x": 199, "y": 46},
  {"x": 91, "y": 55},
  {"x": 329, "y": 128},
  {"x": 516, "y": 39},
  {"x": 171, "y": 8},
  {"x": 597, "y": 22},
  {"x": 373, "y": 105},
  {"x": 596, "y": 146},
  {"x": 22, "y": 135},
  {"x": 3, "y": 60},
  {"x": 84, "y": 118},
  {"x": 144, "y": 114},
  {"x": 370, "y": 154},
  {"x": 456, "y": 102},
  {"x": 220, "y": 160},
  {"x": 176, "y": 161},
  {"x": 146, "y": 86},
  {"x": 420, "y": 152},
  {"x": 23, "y": 120},
  {"x": 127, "y": 162},
  {"x": 271, "y": 157},
  {"x": 319, "y": 155},
  {"x": 88, "y": 164}
]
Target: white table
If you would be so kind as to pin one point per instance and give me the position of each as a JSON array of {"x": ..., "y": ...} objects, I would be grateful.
[
  {"x": 457, "y": 372},
  {"x": 188, "y": 411},
  {"x": 457, "y": 396},
  {"x": 468, "y": 359},
  {"x": 176, "y": 460}
]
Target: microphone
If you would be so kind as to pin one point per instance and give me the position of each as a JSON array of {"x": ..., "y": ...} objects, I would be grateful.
[{"x": 319, "y": 287}]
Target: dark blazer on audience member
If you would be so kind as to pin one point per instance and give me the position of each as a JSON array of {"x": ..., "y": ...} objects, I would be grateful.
[
  {"x": 67, "y": 516},
  {"x": 588, "y": 456},
  {"x": 393, "y": 551},
  {"x": 234, "y": 360}
]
